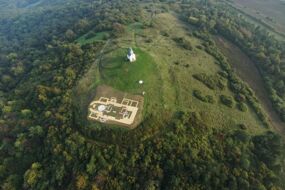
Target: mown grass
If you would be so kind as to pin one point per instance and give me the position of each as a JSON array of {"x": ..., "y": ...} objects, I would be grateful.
[
  {"x": 137, "y": 26},
  {"x": 121, "y": 74}
]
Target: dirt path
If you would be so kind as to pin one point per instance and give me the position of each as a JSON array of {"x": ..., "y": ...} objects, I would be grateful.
[{"x": 246, "y": 69}]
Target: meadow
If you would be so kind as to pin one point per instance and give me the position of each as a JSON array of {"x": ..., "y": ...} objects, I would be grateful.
[{"x": 92, "y": 37}]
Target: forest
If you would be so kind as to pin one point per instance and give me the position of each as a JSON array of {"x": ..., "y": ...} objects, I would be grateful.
[{"x": 46, "y": 144}]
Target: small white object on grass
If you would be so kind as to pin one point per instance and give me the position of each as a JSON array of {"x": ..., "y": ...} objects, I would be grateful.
[
  {"x": 141, "y": 82},
  {"x": 143, "y": 93},
  {"x": 101, "y": 108}
]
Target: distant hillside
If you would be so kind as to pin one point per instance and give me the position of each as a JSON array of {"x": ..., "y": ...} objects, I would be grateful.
[{"x": 270, "y": 12}]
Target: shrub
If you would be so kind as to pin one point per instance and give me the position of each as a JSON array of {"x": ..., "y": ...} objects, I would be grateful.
[
  {"x": 210, "y": 99},
  {"x": 198, "y": 94},
  {"x": 186, "y": 44},
  {"x": 283, "y": 114},
  {"x": 164, "y": 33},
  {"x": 176, "y": 62},
  {"x": 149, "y": 40},
  {"x": 223, "y": 74},
  {"x": 242, "y": 126},
  {"x": 106, "y": 36},
  {"x": 213, "y": 82},
  {"x": 200, "y": 47},
  {"x": 240, "y": 97},
  {"x": 90, "y": 35},
  {"x": 227, "y": 100},
  {"x": 242, "y": 107}
]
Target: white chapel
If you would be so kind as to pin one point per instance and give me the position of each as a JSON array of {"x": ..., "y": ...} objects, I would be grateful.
[{"x": 131, "y": 55}]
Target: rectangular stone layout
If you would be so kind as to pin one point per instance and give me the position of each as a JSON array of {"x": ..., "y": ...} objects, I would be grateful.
[{"x": 108, "y": 110}]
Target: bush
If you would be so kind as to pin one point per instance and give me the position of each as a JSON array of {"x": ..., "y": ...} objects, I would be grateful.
[
  {"x": 186, "y": 44},
  {"x": 283, "y": 115},
  {"x": 213, "y": 82},
  {"x": 200, "y": 47},
  {"x": 198, "y": 94},
  {"x": 106, "y": 36},
  {"x": 240, "y": 98},
  {"x": 90, "y": 35},
  {"x": 210, "y": 99},
  {"x": 242, "y": 107},
  {"x": 176, "y": 62},
  {"x": 223, "y": 74},
  {"x": 164, "y": 33},
  {"x": 242, "y": 126},
  {"x": 148, "y": 40},
  {"x": 227, "y": 100}
]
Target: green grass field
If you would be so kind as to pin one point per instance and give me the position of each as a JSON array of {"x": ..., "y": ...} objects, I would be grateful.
[
  {"x": 137, "y": 26},
  {"x": 118, "y": 72},
  {"x": 98, "y": 37}
]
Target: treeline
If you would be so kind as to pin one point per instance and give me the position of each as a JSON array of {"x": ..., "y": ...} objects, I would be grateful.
[{"x": 188, "y": 154}]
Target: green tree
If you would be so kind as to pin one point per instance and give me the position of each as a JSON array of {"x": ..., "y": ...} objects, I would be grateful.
[{"x": 33, "y": 176}]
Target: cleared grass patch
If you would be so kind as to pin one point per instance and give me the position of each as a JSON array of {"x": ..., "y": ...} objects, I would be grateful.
[
  {"x": 115, "y": 66},
  {"x": 117, "y": 72},
  {"x": 135, "y": 26},
  {"x": 89, "y": 38}
]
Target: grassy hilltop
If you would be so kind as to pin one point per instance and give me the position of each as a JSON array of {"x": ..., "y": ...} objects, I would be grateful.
[{"x": 168, "y": 70}]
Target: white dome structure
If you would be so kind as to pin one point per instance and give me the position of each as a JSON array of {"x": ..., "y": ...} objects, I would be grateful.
[{"x": 101, "y": 108}]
